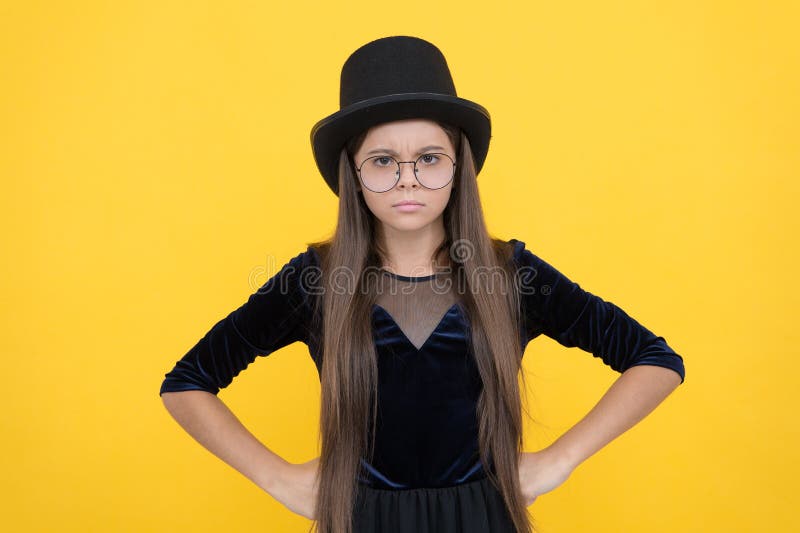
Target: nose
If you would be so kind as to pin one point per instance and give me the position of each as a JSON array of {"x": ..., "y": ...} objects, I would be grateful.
[{"x": 407, "y": 176}]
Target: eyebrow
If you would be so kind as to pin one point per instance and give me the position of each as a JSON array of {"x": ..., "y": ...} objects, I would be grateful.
[{"x": 392, "y": 152}]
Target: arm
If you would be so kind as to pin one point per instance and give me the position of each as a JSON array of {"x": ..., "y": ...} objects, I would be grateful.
[
  {"x": 209, "y": 421},
  {"x": 555, "y": 305},
  {"x": 650, "y": 369},
  {"x": 630, "y": 398},
  {"x": 274, "y": 316}
]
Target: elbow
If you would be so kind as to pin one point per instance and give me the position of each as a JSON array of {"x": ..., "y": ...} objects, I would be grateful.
[{"x": 179, "y": 402}]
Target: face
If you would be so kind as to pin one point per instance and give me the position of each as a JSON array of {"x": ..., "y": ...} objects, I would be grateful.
[{"x": 406, "y": 140}]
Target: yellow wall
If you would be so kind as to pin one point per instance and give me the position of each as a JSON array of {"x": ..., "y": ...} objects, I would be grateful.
[{"x": 155, "y": 164}]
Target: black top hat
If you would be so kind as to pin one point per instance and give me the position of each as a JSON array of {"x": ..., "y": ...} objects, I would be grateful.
[{"x": 395, "y": 78}]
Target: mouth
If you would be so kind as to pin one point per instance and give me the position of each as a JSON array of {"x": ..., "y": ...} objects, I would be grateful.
[{"x": 407, "y": 202}]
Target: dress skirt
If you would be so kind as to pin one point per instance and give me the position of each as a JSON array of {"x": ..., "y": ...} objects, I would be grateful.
[{"x": 472, "y": 507}]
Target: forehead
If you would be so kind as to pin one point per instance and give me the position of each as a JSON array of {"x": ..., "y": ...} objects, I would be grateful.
[{"x": 407, "y": 132}]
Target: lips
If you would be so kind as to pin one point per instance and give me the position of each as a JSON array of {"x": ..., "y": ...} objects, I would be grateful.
[{"x": 407, "y": 202}]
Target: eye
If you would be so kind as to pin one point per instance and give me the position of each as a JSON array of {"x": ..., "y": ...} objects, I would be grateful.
[
  {"x": 382, "y": 161},
  {"x": 429, "y": 159}
]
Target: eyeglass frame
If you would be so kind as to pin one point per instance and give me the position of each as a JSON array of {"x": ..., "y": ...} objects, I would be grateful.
[{"x": 400, "y": 170}]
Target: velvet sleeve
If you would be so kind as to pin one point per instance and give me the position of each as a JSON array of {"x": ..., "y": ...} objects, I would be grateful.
[
  {"x": 558, "y": 307},
  {"x": 274, "y": 316}
]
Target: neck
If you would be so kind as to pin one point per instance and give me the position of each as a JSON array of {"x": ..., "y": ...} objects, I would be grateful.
[{"x": 409, "y": 252}]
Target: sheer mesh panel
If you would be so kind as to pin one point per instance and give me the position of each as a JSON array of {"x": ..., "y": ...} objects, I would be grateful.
[{"x": 416, "y": 304}]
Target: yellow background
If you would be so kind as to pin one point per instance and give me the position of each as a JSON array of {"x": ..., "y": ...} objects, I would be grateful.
[{"x": 156, "y": 168}]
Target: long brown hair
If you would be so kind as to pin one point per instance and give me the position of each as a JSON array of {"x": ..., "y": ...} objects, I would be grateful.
[{"x": 349, "y": 369}]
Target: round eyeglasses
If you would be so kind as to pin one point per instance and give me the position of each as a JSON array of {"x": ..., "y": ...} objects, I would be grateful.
[{"x": 381, "y": 173}]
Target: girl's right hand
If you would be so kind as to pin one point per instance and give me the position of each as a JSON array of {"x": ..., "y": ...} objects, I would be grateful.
[{"x": 297, "y": 488}]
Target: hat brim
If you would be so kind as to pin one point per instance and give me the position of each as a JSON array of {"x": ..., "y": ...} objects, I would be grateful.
[{"x": 329, "y": 134}]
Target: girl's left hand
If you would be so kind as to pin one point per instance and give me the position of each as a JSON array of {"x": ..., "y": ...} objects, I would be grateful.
[{"x": 541, "y": 472}]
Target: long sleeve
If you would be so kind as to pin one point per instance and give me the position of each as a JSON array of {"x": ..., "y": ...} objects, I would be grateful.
[
  {"x": 558, "y": 307},
  {"x": 275, "y": 316}
]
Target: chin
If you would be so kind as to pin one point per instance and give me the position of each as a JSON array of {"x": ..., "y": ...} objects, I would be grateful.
[{"x": 406, "y": 225}]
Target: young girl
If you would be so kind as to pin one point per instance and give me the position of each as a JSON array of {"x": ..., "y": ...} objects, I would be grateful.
[{"x": 417, "y": 320}]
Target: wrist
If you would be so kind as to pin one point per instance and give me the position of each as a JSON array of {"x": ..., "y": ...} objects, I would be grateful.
[{"x": 562, "y": 455}]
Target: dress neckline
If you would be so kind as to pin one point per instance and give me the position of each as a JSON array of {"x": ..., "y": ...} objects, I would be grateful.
[{"x": 401, "y": 277}]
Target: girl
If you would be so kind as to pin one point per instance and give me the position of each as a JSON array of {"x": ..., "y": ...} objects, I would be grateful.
[{"x": 417, "y": 320}]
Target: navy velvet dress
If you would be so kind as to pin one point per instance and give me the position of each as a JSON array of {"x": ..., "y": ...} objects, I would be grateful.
[{"x": 426, "y": 440}]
